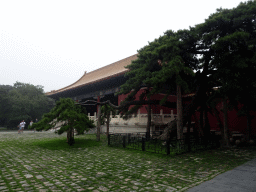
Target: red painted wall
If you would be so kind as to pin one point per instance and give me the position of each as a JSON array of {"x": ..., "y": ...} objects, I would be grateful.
[
  {"x": 235, "y": 122},
  {"x": 155, "y": 108}
]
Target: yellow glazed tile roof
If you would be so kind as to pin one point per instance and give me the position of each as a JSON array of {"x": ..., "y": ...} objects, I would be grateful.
[{"x": 99, "y": 74}]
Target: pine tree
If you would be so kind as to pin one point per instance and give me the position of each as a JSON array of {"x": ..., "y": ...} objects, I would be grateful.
[
  {"x": 106, "y": 111},
  {"x": 227, "y": 43},
  {"x": 69, "y": 115},
  {"x": 162, "y": 66}
]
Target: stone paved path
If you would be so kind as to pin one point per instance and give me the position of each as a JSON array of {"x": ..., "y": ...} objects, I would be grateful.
[
  {"x": 28, "y": 167},
  {"x": 24, "y": 167},
  {"x": 240, "y": 179}
]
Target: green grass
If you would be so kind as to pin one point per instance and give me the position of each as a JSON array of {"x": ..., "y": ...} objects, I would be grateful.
[{"x": 92, "y": 165}]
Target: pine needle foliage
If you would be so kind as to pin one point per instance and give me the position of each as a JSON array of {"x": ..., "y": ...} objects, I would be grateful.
[
  {"x": 219, "y": 52},
  {"x": 160, "y": 67},
  {"x": 70, "y": 117}
]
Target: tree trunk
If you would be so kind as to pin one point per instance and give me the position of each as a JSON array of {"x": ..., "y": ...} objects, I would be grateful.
[
  {"x": 148, "y": 122},
  {"x": 202, "y": 121},
  {"x": 179, "y": 114},
  {"x": 225, "y": 112},
  {"x": 200, "y": 130},
  {"x": 108, "y": 118},
  {"x": 216, "y": 113},
  {"x": 206, "y": 124},
  {"x": 188, "y": 134},
  {"x": 249, "y": 121},
  {"x": 70, "y": 136},
  {"x": 73, "y": 133},
  {"x": 98, "y": 122}
]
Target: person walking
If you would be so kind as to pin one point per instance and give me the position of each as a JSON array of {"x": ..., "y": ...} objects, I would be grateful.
[
  {"x": 22, "y": 124},
  {"x": 19, "y": 126},
  {"x": 31, "y": 123},
  {"x": 36, "y": 122}
]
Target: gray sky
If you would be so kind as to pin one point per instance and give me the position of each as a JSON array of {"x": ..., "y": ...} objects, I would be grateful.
[{"x": 53, "y": 42}]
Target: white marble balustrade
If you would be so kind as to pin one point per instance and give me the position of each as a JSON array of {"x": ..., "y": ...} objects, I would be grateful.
[{"x": 139, "y": 120}]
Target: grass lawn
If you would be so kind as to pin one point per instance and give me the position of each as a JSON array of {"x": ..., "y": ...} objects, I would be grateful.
[{"x": 43, "y": 161}]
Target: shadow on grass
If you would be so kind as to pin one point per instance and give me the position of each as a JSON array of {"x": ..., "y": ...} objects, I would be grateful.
[{"x": 61, "y": 144}]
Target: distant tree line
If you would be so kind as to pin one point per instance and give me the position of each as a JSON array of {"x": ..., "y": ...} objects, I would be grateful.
[{"x": 22, "y": 101}]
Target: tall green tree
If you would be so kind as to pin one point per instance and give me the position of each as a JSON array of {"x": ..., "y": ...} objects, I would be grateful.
[
  {"x": 69, "y": 115},
  {"x": 221, "y": 52},
  {"x": 161, "y": 67},
  {"x": 227, "y": 43},
  {"x": 140, "y": 70},
  {"x": 176, "y": 68}
]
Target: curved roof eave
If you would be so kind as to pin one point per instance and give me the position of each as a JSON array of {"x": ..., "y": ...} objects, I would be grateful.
[{"x": 100, "y": 74}]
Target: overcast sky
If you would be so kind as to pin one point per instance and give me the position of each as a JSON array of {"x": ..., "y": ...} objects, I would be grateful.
[{"x": 53, "y": 42}]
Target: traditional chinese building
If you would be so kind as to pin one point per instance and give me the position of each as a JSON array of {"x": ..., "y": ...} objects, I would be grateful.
[
  {"x": 100, "y": 84},
  {"x": 103, "y": 83}
]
